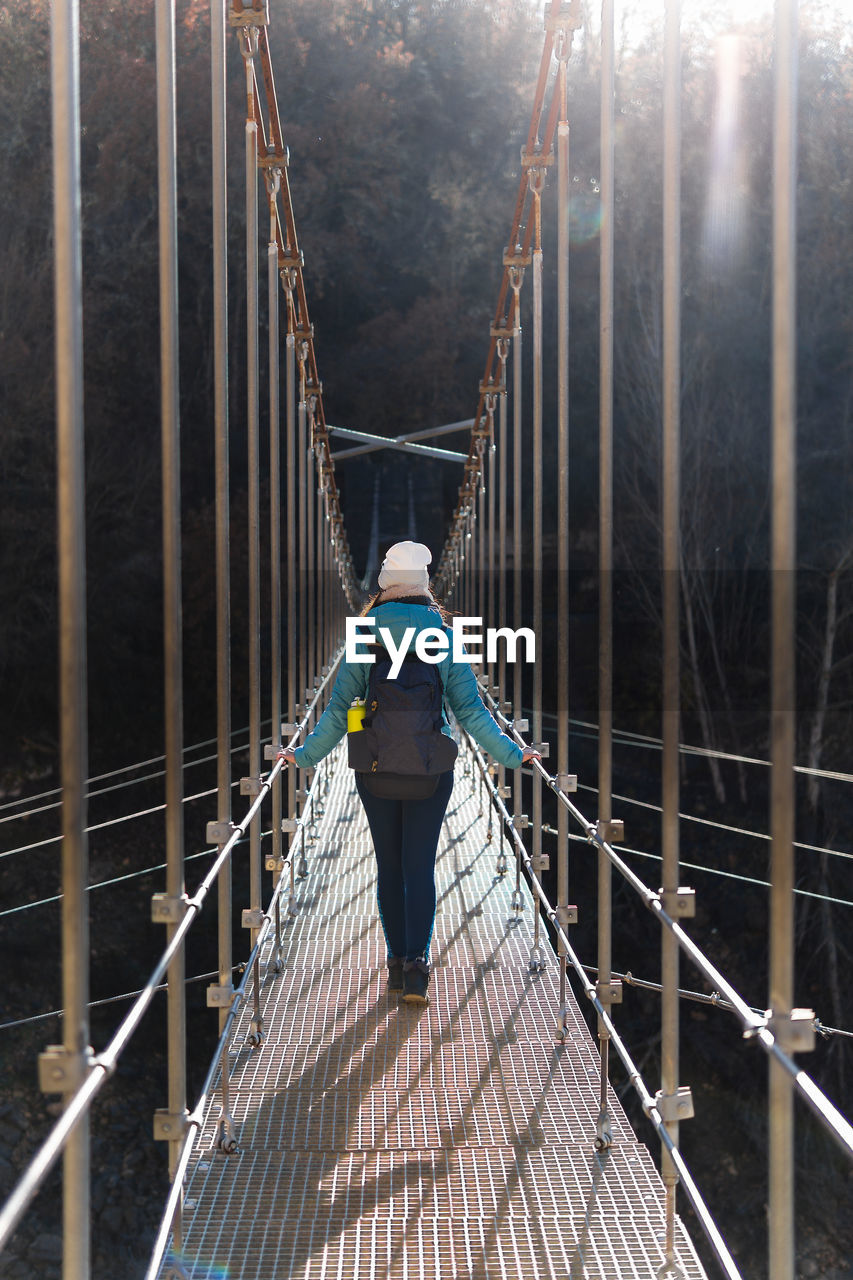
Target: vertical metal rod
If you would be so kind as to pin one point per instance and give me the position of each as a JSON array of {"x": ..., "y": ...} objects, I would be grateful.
[
  {"x": 490, "y": 554},
  {"x": 310, "y": 564},
  {"x": 302, "y": 540},
  {"x": 536, "y": 534},
  {"x": 253, "y": 480},
  {"x": 784, "y": 562},
  {"x": 290, "y": 609},
  {"x": 671, "y": 571},
  {"x": 517, "y": 420},
  {"x": 275, "y": 528},
  {"x": 223, "y": 518},
  {"x": 503, "y": 352},
  {"x": 563, "y": 181},
  {"x": 480, "y": 531},
  {"x": 172, "y": 642},
  {"x": 71, "y": 531},
  {"x": 470, "y": 605},
  {"x": 322, "y": 547},
  {"x": 605, "y": 530}
]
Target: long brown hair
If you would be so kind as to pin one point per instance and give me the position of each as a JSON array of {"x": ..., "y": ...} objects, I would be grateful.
[{"x": 415, "y": 598}]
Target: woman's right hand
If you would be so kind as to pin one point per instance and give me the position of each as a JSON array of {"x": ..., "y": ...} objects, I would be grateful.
[
  {"x": 286, "y": 754},
  {"x": 530, "y": 753}
]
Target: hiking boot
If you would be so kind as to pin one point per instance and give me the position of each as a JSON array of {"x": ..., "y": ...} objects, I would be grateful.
[
  {"x": 395, "y": 974},
  {"x": 416, "y": 982}
]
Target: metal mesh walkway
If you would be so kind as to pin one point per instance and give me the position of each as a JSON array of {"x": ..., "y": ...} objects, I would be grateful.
[{"x": 376, "y": 1139}]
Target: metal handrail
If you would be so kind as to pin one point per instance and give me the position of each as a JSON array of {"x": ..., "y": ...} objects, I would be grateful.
[
  {"x": 102, "y": 1065},
  {"x": 649, "y": 1103},
  {"x": 755, "y": 1026},
  {"x": 219, "y": 1058}
]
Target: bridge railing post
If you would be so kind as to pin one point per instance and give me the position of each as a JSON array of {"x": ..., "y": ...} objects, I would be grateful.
[
  {"x": 781, "y": 1236},
  {"x": 72, "y": 1056},
  {"x": 605, "y": 551}
]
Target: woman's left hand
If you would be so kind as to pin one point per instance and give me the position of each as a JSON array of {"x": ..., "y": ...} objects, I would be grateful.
[{"x": 530, "y": 753}]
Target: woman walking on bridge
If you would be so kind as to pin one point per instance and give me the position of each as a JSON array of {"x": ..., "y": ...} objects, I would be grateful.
[{"x": 405, "y": 811}]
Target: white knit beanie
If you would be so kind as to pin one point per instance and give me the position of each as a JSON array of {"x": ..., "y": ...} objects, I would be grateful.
[{"x": 405, "y": 565}]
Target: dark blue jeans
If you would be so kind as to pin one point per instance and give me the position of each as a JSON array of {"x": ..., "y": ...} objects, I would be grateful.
[{"x": 405, "y": 839}]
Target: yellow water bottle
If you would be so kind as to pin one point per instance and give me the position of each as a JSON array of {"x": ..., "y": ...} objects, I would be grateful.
[{"x": 355, "y": 716}]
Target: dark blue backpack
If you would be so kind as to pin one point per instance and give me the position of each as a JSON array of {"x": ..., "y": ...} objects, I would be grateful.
[{"x": 401, "y": 750}]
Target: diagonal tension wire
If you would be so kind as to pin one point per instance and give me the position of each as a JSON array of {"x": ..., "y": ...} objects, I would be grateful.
[
  {"x": 127, "y": 817},
  {"x": 98, "y": 1004},
  {"x": 130, "y": 875},
  {"x": 115, "y": 773}
]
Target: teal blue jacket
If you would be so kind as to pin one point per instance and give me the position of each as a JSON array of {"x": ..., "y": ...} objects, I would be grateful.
[{"x": 461, "y": 692}]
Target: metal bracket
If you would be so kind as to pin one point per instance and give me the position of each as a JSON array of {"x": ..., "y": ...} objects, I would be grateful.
[
  {"x": 166, "y": 910},
  {"x": 794, "y": 1032},
  {"x": 680, "y": 903},
  {"x": 516, "y": 257},
  {"x": 274, "y": 161},
  {"x": 252, "y": 918},
  {"x": 609, "y": 992},
  {"x": 288, "y": 730},
  {"x": 62, "y": 1070},
  {"x": 536, "y": 159},
  {"x": 544, "y": 749},
  {"x": 250, "y": 17},
  {"x": 603, "y": 1132},
  {"x": 169, "y": 1125},
  {"x": 505, "y": 791},
  {"x": 567, "y": 782},
  {"x": 275, "y": 864},
  {"x": 220, "y": 997},
  {"x": 673, "y": 1107},
  {"x": 566, "y": 915},
  {"x": 520, "y": 821},
  {"x": 271, "y": 750},
  {"x": 566, "y": 18},
  {"x": 522, "y": 724},
  {"x": 541, "y": 862},
  {"x": 220, "y": 832},
  {"x": 611, "y": 832},
  {"x": 501, "y": 331},
  {"x": 289, "y": 825},
  {"x": 250, "y": 787}
]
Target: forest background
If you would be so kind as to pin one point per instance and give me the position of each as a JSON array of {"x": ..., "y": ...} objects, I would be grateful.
[{"x": 405, "y": 120}]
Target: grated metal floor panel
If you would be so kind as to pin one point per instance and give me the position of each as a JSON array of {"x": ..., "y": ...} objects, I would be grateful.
[{"x": 380, "y": 1140}]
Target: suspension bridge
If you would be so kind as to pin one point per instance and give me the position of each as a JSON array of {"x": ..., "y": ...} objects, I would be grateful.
[{"x": 337, "y": 1131}]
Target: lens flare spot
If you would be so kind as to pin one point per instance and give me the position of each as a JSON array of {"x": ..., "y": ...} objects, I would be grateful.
[
  {"x": 197, "y": 1268},
  {"x": 724, "y": 223},
  {"x": 585, "y": 215}
]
